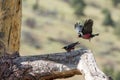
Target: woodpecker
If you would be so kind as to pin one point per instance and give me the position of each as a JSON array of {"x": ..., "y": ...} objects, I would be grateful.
[
  {"x": 71, "y": 46},
  {"x": 85, "y": 31}
]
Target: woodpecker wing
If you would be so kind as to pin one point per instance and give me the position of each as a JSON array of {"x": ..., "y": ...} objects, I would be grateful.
[
  {"x": 73, "y": 44},
  {"x": 87, "y": 27},
  {"x": 78, "y": 27}
]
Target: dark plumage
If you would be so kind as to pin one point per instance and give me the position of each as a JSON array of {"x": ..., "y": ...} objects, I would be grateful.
[
  {"x": 70, "y": 47},
  {"x": 85, "y": 31}
]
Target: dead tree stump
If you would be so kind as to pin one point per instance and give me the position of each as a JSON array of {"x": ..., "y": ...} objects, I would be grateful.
[{"x": 52, "y": 66}]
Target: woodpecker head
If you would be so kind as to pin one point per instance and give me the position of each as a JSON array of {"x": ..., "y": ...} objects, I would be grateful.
[
  {"x": 65, "y": 47},
  {"x": 78, "y": 27},
  {"x": 79, "y": 36}
]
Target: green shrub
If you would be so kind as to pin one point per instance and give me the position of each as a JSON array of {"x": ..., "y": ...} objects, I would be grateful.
[
  {"x": 117, "y": 76},
  {"x": 36, "y": 5},
  {"x": 117, "y": 29},
  {"x": 115, "y": 2},
  {"x": 108, "y": 19},
  {"x": 79, "y": 6},
  {"x": 109, "y": 71}
]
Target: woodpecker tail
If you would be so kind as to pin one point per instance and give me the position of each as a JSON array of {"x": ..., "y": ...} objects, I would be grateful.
[{"x": 95, "y": 35}]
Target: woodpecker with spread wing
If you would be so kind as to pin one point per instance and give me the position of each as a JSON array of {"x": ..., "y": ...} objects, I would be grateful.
[
  {"x": 85, "y": 31},
  {"x": 71, "y": 46}
]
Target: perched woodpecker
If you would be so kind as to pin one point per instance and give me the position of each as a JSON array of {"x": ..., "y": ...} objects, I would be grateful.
[
  {"x": 85, "y": 31},
  {"x": 71, "y": 46}
]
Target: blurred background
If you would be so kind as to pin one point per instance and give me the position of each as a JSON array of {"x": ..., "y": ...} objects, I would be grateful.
[{"x": 48, "y": 25}]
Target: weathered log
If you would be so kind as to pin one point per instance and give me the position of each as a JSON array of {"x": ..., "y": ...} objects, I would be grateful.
[{"x": 61, "y": 65}]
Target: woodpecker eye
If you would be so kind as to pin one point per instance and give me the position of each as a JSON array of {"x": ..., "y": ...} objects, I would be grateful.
[{"x": 79, "y": 35}]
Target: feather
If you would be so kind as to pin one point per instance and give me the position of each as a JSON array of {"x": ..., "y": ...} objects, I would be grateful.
[{"x": 88, "y": 26}]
